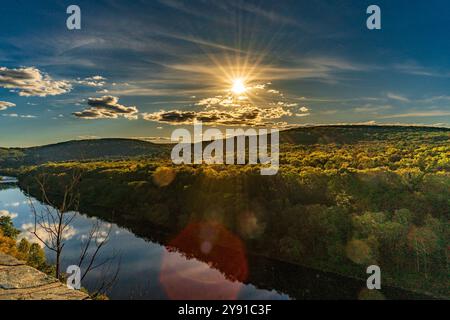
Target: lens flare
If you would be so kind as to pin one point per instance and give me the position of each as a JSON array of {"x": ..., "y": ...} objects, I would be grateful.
[
  {"x": 218, "y": 270},
  {"x": 164, "y": 176}
]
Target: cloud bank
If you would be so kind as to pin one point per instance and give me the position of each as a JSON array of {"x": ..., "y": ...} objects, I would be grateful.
[
  {"x": 247, "y": 115},
  {"x": 31, "y": 81},
  {"x": 107, "y": 107},
  {"x": 5, "y": 105}
]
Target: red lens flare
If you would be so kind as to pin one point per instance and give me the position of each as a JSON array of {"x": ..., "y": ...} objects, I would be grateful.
[{"x": 220, "y": 274}]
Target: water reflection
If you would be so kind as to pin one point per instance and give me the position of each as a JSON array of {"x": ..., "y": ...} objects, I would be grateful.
[{"x": 148, "y": 270}]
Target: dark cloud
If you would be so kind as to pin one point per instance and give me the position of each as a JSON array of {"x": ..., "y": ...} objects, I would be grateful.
[
  {"x": 107, "y": 107},
  {"x": 174, "y": 116}
]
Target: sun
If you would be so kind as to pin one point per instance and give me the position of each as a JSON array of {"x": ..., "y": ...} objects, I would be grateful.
[{"x": 238, "y": 86}]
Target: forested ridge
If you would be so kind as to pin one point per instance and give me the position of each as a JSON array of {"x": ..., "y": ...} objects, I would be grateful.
[
  {"x": 80, "y": 150},
  {"x": 344, "y": 198}
]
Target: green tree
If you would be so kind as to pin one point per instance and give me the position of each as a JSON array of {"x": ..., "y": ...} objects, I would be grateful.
[
  {"x": 8, "y": 228},
  {"x": 36, "y": 257}
]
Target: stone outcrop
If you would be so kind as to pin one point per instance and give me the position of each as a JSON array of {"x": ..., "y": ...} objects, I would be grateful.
[{"x": 21, "y": 282}]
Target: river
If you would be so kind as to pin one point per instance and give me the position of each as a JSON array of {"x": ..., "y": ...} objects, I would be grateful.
[{"x": 149, "y": 270}]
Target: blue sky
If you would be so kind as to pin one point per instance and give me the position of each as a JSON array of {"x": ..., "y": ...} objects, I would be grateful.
[{"x": 143, "y": 68}]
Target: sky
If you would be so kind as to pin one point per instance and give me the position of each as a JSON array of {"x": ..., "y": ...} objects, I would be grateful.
[{"x": 140, "y": 69}]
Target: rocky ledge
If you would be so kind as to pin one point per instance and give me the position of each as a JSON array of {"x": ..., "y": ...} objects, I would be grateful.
[{"x": 21, "y": 282}]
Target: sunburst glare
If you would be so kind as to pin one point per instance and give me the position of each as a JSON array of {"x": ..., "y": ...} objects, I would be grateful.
[{"x": 238, "y": 86}]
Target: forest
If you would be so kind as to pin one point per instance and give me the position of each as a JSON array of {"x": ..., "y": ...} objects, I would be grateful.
[{"x": 344, "y": 198}]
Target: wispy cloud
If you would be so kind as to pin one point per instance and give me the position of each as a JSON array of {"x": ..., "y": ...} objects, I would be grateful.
[
  {"x": 318, "y": 68},
  {"x": 397, "y": 97},
  {"x": 435, "y": 99},
  {"x": 202, "y": 75},
  {"x": 432, "y": 113},
  {"x": 413, "y": 68},
  {"x": 370, "y": 108},
  {"x": 270, "y": 15},
  {"x": 16, "y": 115}
]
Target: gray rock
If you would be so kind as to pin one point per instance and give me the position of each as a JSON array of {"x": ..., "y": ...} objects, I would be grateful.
[{"x": 21, "y": 282}]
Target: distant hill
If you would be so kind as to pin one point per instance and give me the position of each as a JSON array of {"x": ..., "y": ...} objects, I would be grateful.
[
  {"x": 80, "y": 150},
  {"x": 113, "y": 149},
  {"x": 349, "y": 134}
]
